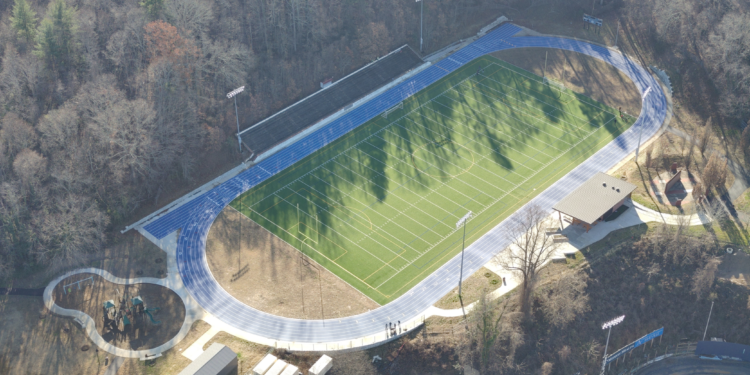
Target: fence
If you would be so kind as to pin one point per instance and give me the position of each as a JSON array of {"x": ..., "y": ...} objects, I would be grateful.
[{"x": 651, "y": 353}]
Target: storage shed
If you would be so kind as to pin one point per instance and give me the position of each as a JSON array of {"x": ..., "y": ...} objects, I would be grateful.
[
  {"x": 262, "y": 367},
  {"x": 321, "y": 366},
  {"x": 216, "y": 360}
]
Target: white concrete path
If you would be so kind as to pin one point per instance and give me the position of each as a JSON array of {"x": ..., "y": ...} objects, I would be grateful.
[{"x": 193, "y": 311}]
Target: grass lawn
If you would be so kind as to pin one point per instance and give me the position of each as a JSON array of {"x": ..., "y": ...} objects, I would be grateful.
[{"x": 378, "y": 207}]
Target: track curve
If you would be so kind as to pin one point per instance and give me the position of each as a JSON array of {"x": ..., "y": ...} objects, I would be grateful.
[{"x": 195, "y": 217}]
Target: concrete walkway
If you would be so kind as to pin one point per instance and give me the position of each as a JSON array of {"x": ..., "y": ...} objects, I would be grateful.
[{"x": 193, "y": 311}]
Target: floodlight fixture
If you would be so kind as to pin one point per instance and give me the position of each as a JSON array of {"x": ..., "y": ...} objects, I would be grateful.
[
  {"x": 613, "y": 322},
  {"x": 235, "y": 92},
  {"x": 464, "y": 219}
]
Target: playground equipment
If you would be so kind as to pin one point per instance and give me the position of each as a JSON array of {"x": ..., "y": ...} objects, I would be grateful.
[
  {"x": 67, "y": 289},
  {"x": 148, "y": 312},
  {"x": 131, "y": 311}
]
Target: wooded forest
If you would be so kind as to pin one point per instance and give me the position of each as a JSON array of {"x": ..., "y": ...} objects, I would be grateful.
[{"x": 107, "y": 104}]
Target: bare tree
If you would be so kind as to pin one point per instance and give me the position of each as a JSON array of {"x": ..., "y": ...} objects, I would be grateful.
[
  {"x": 73, "y": 227},
  {"x": 547, "y": 368},
  {"x": 715, "y": 173},
  {"x": 688, "y": 161},
  {"x": 566, "y": 299},
  {"x": 29, "y": 166},
  {"x": 649, "y": 154},
  {"x": 17, "y": 133},
  {"x": 663, "y": 150},
  {"x": 192, "y": 17},
  {"x": 703, "y": 278},
  {"x": 654, "y": 270},
  {"x": 493, "y": 335},
  {"x": 745, "y": 138},
  {"x": 530, "y": 249},
  {"x": 485, "y": 326},
  {"x": 705, "y": 138},
  {"x": 698, "y": 192}
]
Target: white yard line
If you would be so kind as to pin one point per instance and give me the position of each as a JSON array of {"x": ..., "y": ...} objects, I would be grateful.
[{"x": 388, "y": 130}]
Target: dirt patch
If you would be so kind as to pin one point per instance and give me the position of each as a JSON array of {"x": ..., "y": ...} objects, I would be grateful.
[
  {"x": 471, "y": 289},
  {"x": 666, "y": 150},
  {"x": 248, "y": 353},
  {"x": 268, "y": 274},
  {"x": 735, "y": 268},
  {"x": 172, "y": 361},
  {"x": 142, "y": 333},
  {"x": 129, "y": 255},
  {"x": 35, "y": 342},
  {"x": 580, "y": 73},
  {"x": 416, "y": 353}
]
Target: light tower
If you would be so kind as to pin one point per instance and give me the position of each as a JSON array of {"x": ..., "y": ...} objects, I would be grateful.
[
  {"x": 421, "y": 12},
  {"x": 459, "y": 223},
  {"x": 230, "y": 95},
  {"x": 609, "y": 325}
]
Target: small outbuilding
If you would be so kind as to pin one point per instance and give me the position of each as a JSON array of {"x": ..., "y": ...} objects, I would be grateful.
[
  {"x": 216, "y": 360},
  {"x": 264, "y": 365},
  {"x": 595, "y": 199},
  {"x": 321, "y": 366}
]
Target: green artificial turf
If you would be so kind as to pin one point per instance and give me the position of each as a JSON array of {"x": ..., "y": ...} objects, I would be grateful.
[{"x": 378, "y": 207}]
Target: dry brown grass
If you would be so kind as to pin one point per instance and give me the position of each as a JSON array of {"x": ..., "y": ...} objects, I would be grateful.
[{"x": 268, "y": 274}]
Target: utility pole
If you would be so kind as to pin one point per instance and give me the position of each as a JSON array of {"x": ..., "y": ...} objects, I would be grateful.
[
  {"x": 709, "y": 319},
  {"x": 618, "y": 33},
  {"x": 421, "y": 13},
  {"x": 230, "y": 95},
  {"x": 544, "y": 74},
  {"x": 462, "y": 221},
  {"x": 608, "y": 325}
]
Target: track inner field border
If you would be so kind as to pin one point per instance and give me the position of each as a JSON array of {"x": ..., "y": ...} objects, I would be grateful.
[{"x": 461, "y": 92}]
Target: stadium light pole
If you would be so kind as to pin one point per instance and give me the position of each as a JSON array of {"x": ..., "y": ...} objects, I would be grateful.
[
  {"x": 421, "y": 13},
  {"x": 608, "y": 325},
  {"x": 459, "y": 223},
  {"x": 709, "y": 320},
  {"x": 640, "y": 134},
  {"x": 230, "y": 95}
]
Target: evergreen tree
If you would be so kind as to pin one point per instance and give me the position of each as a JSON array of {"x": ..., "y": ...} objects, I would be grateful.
[
  {"x": 23, "y": 20},
  {"x": 153, "y": 7},
  {"x": 57, "y": 42}
]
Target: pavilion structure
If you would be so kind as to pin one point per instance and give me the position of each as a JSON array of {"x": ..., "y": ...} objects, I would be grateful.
[{"x": 594, "y": 200}]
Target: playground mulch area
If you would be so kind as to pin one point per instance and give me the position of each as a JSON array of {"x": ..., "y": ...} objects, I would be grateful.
[
  {"x": 268, "y": 274},
  {"x": 142, "y": 333}
]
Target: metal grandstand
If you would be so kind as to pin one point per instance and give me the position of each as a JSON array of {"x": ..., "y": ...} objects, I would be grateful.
[{"x": 299, "y": 116}]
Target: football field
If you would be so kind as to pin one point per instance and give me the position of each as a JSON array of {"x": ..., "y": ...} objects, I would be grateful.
[{"x": 379, "y": 206}]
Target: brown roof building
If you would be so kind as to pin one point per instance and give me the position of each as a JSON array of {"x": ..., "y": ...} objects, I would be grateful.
[{"x": 595, "y": 198}]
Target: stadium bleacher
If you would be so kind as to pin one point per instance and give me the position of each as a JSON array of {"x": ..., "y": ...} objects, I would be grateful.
[{"x": 305, "y": 113}]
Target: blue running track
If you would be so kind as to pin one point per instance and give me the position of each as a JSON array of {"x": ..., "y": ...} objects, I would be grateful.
[{"x": 195, "y": 217}]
